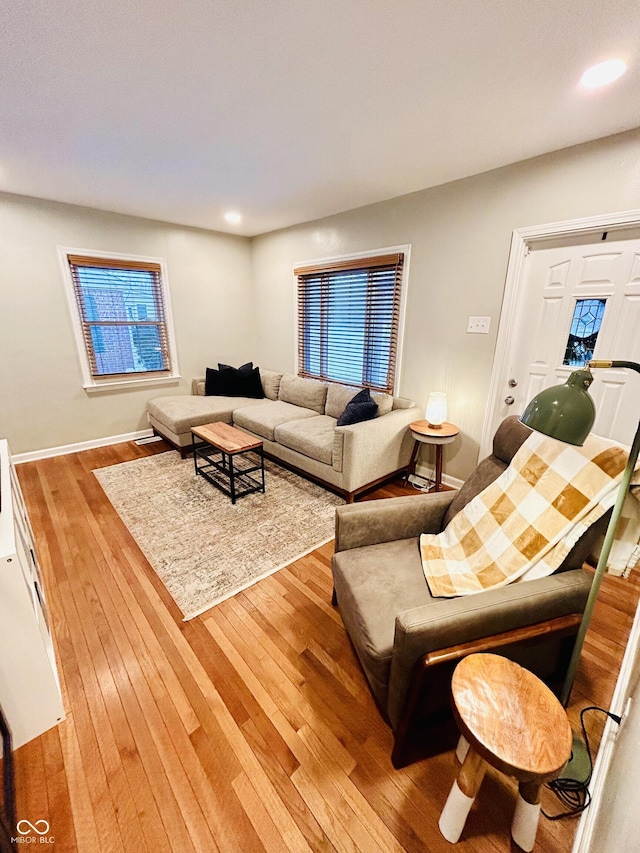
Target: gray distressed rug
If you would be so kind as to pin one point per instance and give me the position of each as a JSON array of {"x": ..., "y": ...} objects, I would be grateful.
[{"x": 203, "y": 547}]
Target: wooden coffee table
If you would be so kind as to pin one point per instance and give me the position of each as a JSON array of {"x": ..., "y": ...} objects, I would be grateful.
[{"x": 224, "y": 458}]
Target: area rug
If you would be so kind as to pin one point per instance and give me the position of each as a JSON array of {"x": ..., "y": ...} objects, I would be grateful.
[{"x": 204, "y": 548}]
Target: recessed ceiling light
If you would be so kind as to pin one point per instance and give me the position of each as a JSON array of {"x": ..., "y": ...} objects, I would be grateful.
[
  {"x": 233, "y": 218},
  {"x": 603, "y": 73}
]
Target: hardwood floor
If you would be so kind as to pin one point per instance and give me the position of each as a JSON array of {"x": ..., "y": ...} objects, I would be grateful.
[{"x": 249, "y": 728}]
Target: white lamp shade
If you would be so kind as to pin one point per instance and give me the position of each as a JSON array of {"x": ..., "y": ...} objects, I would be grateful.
[{"x": 436, "y": 413}]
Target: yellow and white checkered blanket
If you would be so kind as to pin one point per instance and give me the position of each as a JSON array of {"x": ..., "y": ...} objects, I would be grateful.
[{"x": 525, "y": 523}]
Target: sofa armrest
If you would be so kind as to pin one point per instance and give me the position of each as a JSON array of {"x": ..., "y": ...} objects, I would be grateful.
[
  {"x": 453, "y": 621},
  {"x": 389, "y": 519},
  {"x": 372, "y": 449}
]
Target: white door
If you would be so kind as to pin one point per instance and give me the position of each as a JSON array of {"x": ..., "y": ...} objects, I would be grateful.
[{"x": 576, "y": 297}]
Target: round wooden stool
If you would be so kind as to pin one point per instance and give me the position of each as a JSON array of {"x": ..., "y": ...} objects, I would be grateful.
[{"x": 510, "y": 720}]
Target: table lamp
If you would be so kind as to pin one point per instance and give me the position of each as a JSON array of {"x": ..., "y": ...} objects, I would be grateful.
[
  {"x": 436, "y": 413},
  {"x": 567, "y": 412}
]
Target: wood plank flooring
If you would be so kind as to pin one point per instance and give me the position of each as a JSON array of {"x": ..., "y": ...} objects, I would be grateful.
[{"x": 247, "y": 729}]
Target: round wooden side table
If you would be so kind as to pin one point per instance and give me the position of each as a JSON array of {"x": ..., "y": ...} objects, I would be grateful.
[
  {"x": 510, "y": 720},
  {"x": 423, "y": 432}
]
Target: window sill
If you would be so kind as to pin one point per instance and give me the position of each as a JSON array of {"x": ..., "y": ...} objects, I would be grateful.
[{"x": 125, "y": 384}]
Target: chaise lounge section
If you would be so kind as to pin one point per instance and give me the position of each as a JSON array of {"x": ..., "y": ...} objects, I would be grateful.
[{"x": 297, "y": 421}]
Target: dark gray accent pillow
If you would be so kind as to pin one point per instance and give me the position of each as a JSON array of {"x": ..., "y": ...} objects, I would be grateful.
[{"x": 359, "y": 408}]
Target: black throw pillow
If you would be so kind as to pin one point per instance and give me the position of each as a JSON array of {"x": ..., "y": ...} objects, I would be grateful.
[
  {"x": 244, "y": 368},
  {"x": 217, "y": 383},
  {"x": 249, "y": 384},
  {"x": 359, "y": 408},
  {"x": 230, "y": 381}
]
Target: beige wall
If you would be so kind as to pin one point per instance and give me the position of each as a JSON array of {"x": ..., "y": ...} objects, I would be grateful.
[
  {"x": 460, "y": 235},
  {"x": 42, "y": 402},
  {"x": 234, "y": 299}
]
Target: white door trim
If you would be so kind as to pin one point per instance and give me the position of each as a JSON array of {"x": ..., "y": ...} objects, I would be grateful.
[{"x": 521, "y": 242}]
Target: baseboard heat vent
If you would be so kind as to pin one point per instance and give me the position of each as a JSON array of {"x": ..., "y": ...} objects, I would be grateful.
[{"x": 148, "y": 439}]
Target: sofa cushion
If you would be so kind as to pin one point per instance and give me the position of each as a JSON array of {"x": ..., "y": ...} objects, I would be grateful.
[
  {"x": 263, "y": 419},
  {"x": 180, "y": 412},
  {"x": 361, "y": 408},
  {"x": 234, "y": 382},
  {"x": 312, "y": 437},
  {"x": 384, "y": 401},
  {"x": 308, "y": 393},
  {"x": 270, "y": 383},
  {"x": 339, "y": 395}
]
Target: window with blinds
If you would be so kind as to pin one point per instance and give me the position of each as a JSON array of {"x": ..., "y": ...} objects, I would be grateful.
[
  {"x": 348, "y": 320},
  {"x": 121, "y": 309}
]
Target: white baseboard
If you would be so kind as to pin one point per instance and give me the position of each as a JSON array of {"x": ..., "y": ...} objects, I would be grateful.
[
  {"x": 426, "y": 473},
  {"x": 46, "y": 453},
  {"x": 454, "y": 482}
]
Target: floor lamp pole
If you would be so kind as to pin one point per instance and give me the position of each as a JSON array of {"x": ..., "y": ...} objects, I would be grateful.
[{"x": 623, "y": 490}]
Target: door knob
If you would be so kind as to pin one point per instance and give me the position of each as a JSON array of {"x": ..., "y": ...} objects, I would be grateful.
[
  {"x": 509, "y": 400},
  {"x": 512, "y": 383}
]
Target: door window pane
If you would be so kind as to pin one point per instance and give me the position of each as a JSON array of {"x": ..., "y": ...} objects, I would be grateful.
[{"x": 585, "y": 325}]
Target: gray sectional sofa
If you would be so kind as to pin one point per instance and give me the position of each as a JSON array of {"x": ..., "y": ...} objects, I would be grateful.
[{"x": 297, "y": 422}]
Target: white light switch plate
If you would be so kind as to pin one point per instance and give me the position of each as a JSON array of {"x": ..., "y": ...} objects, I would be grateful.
[{"x": 478, "y": 325}]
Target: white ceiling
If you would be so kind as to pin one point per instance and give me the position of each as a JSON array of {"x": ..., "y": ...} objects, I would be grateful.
[{"x": 289, "y": 110}]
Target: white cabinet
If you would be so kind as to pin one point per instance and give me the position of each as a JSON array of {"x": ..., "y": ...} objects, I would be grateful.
[{"x": 29, "y": 688}]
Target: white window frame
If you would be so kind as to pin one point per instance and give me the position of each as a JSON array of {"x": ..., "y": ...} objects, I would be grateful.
[
  {"x": 372, "y": 253},
  {"x": 93, "y": 384}
]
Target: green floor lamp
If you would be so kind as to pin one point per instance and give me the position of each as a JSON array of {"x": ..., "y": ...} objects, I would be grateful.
[{"x": 567, "y": 412}]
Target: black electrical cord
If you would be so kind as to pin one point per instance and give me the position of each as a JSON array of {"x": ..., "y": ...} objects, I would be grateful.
[{"x": 573, "y": 793}]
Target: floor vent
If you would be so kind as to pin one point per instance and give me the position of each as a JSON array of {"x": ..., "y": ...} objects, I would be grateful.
[{"x": 148, "y": 439}]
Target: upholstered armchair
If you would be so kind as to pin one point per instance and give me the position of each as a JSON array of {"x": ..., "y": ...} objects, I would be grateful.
[{"x": 407, "y": 641}]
